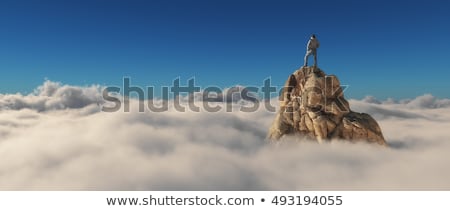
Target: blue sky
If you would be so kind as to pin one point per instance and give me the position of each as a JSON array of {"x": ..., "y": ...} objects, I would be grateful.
[{"x": 380, "y": 48}]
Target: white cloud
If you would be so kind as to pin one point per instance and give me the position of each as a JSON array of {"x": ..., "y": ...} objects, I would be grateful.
[
  {"x": 55, "y": 140},
  {"x": 423, "y": 101},
  {"x": 51, "y": 96}
]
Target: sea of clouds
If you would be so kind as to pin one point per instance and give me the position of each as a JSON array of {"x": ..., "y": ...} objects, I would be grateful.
[{"x": 57, "y": 138}]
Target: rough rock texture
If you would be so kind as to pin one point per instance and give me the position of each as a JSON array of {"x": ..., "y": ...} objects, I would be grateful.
[{"x": 312, "y": 106}]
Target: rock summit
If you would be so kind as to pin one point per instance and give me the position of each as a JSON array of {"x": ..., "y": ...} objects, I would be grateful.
[{"x": 313, "y": 107}]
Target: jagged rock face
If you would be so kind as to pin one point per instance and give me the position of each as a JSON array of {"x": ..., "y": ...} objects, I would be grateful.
[{"x": 312, "y": 106}]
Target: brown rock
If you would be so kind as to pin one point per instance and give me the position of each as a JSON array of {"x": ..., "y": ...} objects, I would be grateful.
[{"x": 312, "y": 105}]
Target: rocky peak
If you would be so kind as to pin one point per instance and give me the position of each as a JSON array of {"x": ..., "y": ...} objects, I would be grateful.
[{"x": 312, "y": 106}]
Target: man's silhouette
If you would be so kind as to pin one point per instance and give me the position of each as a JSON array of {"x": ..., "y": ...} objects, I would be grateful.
[{"x": 311, "y": 48}]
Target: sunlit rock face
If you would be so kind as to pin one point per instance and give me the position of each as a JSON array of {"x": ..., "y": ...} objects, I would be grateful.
[{"x": 313, "y": 107}]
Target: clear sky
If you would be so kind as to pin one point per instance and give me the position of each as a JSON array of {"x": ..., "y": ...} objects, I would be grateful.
[{"x": 382, "y": 48}]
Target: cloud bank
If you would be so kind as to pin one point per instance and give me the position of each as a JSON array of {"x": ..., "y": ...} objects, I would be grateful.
[
  {"x": 52, "y": 96},
  {"x": 58, "y": 139}
]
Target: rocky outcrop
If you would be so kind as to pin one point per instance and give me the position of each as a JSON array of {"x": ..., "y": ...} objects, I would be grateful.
[{"x": 312, "y": 106}]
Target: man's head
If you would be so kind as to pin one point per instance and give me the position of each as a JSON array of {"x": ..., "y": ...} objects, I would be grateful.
[{"x": 313, "y": 36}]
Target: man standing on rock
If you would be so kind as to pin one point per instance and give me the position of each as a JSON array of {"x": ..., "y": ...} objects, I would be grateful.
[{"x": 311, "y": 48}]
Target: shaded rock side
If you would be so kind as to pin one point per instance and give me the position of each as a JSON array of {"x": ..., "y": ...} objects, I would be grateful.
[{"x": 312, "y": 106}]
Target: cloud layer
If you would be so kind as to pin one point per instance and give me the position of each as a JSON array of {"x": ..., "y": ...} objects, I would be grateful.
[
  {"x": 57, "y": 139},
  {"x": 52, "y": 96}
]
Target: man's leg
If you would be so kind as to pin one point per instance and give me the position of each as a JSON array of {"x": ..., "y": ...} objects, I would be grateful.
[
  {"x": 305, "y": 64},
  {"x": 315, "y": 58}
]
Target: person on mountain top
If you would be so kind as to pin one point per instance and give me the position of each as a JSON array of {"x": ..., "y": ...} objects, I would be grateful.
[{"x": 311, "y": 48}]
